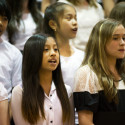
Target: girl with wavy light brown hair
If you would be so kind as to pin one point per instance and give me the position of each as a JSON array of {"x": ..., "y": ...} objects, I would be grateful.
[{"x": 100, "y": 81}]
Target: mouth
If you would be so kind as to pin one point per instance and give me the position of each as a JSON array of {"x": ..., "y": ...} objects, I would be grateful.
[
  {"x": 122, "y": 50},
  {"x": 75, "y": 29},
  {"x": 53, "y": 61}
]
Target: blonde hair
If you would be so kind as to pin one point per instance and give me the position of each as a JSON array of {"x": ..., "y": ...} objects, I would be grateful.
[{"x": 96, "y": 57}]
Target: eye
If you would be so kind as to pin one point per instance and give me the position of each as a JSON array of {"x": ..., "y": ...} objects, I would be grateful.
[
  {"x": 46, "y": 49},
  {"x": 115, "y": 38},
  {"x": 55, "y": 49},
  {"x": 123, "y": 38},
  {"x": 68, "y": 17},
  {"x": 5, "y": 18}
]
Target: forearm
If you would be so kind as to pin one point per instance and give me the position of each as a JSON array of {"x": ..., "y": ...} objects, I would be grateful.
[
  {"x": 85, "y": 117},
  {"x": 4, "y": 113}
]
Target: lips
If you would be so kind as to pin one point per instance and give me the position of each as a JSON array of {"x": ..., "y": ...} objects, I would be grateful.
[
  {"x": 75, "y": 29},
  {"x": 122, "y": 50},
  {"x": 53, "y": 61}
]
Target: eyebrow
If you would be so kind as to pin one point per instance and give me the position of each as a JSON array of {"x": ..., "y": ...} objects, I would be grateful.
[{"x": 49, "y": 45}]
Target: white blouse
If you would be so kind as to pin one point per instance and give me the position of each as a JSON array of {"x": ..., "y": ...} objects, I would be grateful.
[{"x": 52, "y": 107}]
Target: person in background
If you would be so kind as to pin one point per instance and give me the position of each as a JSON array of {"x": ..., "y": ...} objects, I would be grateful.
[
  {"x": 26, "y": 20},
  {"x": 100, "y": 81},
  {"x": 10, "y": 56},
  {"x": 4, "y": 108},
  {"x": 45, "y": 4},
  {"x": 60, "y": 21},
  {"x": 89, "y": 12},
  {"x": 43, "y": 95},
  {"x": 118, "y": 12},
  {"x": 108, "y": 5}
]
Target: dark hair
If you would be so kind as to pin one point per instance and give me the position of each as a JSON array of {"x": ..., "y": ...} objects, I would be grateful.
[
  {"x": 4, "y": 9},
  {"x": 118, "y": 12},
  {"x": 53, "y": 12},
  {"x": 16, "y": 7},
  {"x": 33, "y": 93}
]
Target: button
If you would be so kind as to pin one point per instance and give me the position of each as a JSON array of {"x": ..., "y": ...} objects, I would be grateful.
[
  {"x": 50, "y": 108},
  {"x": 51, "y": 121}
]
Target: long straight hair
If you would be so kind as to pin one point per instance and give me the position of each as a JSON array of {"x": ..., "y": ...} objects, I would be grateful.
[
  {"x": 33, "y": 93},
  {"x": 96, "y": 57},
  {"x": 16, "y": 7}
]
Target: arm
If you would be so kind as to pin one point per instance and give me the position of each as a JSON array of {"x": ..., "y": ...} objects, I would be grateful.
[
  {"x": 45, "y": 4},
  {"x": 85, "y": 117},
  {"x": 108, "y": 5},
  {"x": 17, "y": 67},
  {"x": 4, "y": 113}
]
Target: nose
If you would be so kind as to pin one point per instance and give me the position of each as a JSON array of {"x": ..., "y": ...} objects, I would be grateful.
[
  {"x": 74, "y": 22},
  {"x": 122, "y": 42},
  {"x": 52, "y": 52}
]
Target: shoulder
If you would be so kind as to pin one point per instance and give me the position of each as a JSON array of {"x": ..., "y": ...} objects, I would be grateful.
[
  {"x": 17, "y": 90},
  {"x": 11, "y": 48},
  {"x": 99, "y": 6},
  {"x": 86, "y": 80},
  {"x": 69, "y": 90}
]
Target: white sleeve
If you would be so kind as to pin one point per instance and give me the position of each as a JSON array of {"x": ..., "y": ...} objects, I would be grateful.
[
  {"x": 86, "y": 80},
  {"x": 16, "y": 101},
  {"x": 17, "y": 68}
]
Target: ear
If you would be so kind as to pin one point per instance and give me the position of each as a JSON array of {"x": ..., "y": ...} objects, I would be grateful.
[{"x": 53, "y": 25}]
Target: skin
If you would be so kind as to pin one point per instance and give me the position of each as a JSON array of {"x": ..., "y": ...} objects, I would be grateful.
[
  {"x": 4, "y": 113},
  {"x": 108, "y": 6},
  {"x": 3, "y": 24},
  {"x": 115, "y": 49},
  {"x": 66, "y": 30},
  {"x": 49, "y": 64},
  {"x": 25, "y": 6}
]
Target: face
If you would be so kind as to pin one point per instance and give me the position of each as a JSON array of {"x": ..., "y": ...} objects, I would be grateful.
[
  {"x": 50, "y": 55},
  {"x": 68, "y": 24},
  {"x": 116, "y": 47},
  {"x": 3, "y": 24}
]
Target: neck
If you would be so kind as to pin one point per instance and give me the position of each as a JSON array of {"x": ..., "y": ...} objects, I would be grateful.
[
  {"x": 112, "y": 68},
  {"x": 25, "y": 7},
  {"x": 46, "y": 80},
  {"x": 64, "y": 47}
]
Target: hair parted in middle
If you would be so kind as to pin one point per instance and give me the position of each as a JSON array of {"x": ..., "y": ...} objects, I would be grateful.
[
  {"x": 53, "y": 12},
  {"x": 96, "y": 56},
  {"x": 33, "y": 93}
]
